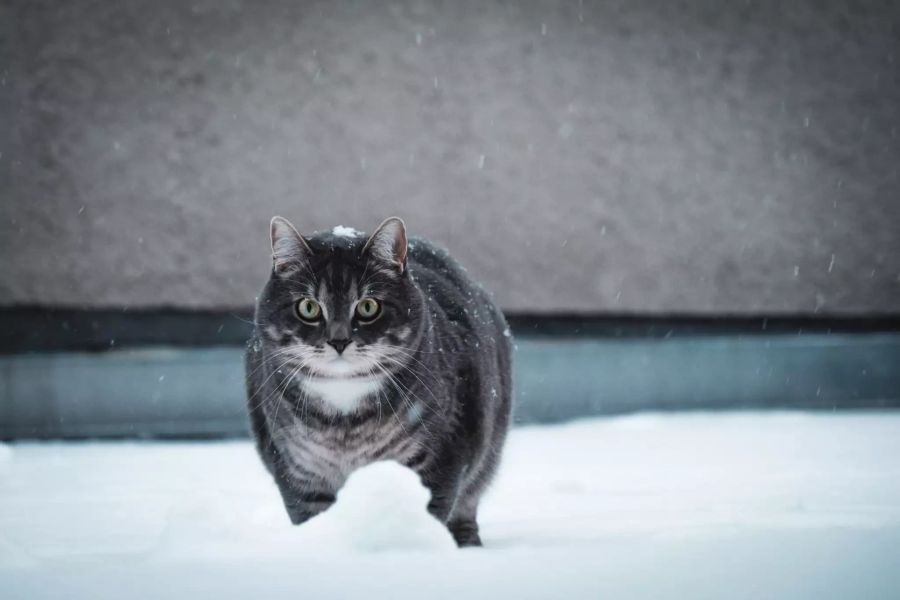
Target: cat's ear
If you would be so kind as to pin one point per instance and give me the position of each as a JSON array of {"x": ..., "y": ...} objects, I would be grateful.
[
  {"x": 388, "y": 243},
  {"x": 289, "y": 249}
]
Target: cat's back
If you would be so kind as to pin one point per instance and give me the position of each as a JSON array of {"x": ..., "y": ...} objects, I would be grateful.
[{"x": 447, "y": 284}]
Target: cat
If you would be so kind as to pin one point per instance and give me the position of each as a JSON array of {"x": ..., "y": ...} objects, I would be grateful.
[{"x": 377, "y": 348}]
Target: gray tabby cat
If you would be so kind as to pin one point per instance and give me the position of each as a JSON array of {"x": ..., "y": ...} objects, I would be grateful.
[{"x": 369, "y": 349}]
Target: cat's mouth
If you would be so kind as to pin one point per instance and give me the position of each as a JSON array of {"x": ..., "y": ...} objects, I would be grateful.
[
  {"x": 340, "y": 368},
  {"x": 354, "y": 376}
]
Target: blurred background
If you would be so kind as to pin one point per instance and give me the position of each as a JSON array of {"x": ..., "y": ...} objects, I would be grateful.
[
  {"x": 689, "y": 211},
  {"x": 696, "y": 203}
]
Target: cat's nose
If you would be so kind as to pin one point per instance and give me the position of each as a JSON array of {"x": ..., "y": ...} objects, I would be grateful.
[{"x": 339, "y": 345}]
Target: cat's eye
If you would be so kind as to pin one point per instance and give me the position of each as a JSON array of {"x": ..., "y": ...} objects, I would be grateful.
[
  {"x": 308, "y": 309},
  {"x": 367, "y": 309}
]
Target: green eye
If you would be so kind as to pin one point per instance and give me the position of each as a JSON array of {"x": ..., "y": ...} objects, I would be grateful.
[
  {"x": 368, "y": 308},
  {"x": 308, "y": 309}
]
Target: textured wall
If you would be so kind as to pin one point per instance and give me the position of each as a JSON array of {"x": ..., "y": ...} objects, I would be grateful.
[{"x": 640, "y": 155}]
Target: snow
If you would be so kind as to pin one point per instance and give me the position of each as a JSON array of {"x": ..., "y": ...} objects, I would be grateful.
[
  {"x": 684, "y": 505},
  {"x": 347, "y": 232},
  {"x": 381, "y": 507}
]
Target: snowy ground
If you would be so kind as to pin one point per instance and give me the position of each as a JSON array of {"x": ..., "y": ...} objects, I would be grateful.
[{"x": 755, "y": 505}]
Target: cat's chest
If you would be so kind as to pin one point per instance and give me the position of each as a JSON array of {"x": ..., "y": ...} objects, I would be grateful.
[
  {"x": 341, "y": 395},
  {"x": 332, "y": 453}
]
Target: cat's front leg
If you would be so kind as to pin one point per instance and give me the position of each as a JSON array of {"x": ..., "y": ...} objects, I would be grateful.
[
  {"x": 444, "y": 505},
  {"x": 444, "y": 483},
  {"x": 303, "y": 498},
  {"x": 302, "y": 506},
  {"x": 443, "y": 497}
]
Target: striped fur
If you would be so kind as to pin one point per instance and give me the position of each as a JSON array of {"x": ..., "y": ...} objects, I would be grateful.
[{"x": 426, "y": 384}]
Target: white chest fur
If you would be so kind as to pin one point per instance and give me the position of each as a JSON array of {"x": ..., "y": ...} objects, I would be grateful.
[{"x": 343, "y": 395}]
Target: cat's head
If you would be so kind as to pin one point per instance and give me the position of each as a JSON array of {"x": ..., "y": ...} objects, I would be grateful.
[{"x": 339, "y": 304}]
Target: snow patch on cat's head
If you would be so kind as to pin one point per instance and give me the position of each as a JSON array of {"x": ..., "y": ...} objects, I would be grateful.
[{"x": 345, "y": 232}]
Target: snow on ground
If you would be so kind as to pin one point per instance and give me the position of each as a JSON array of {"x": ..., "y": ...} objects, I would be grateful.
[
  {"x": 656, "y": 506},
  {"x": 5, "y": 455},
  {"x": 381, "y": 507}
]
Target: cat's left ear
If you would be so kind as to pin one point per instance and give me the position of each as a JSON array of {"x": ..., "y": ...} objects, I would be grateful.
[
  {"x": 388, "y": 243},
  {"x": 289, "y": 249}
]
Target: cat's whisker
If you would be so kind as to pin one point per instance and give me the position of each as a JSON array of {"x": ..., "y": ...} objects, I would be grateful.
[
  {"x": 424, "y": 384},
  {"x": 402, "y": 365},
  {"x": 396, "y": 416},
  {"x": 285, "y": 385},
  {"x": 290, "y": 351},
  {"x": 409, "y": 401},
  {"x": 267, "y": 379},
  {"x": 293, "y": 356}
]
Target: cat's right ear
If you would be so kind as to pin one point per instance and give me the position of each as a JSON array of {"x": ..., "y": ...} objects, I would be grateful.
[{"x": 289, "y": 249}]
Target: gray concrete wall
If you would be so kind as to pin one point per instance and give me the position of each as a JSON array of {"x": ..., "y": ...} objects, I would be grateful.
[{"x": 643, "y": 155}]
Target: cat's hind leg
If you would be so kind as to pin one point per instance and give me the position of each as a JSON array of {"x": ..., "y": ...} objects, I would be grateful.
[{"x": 463, "y": 522}]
